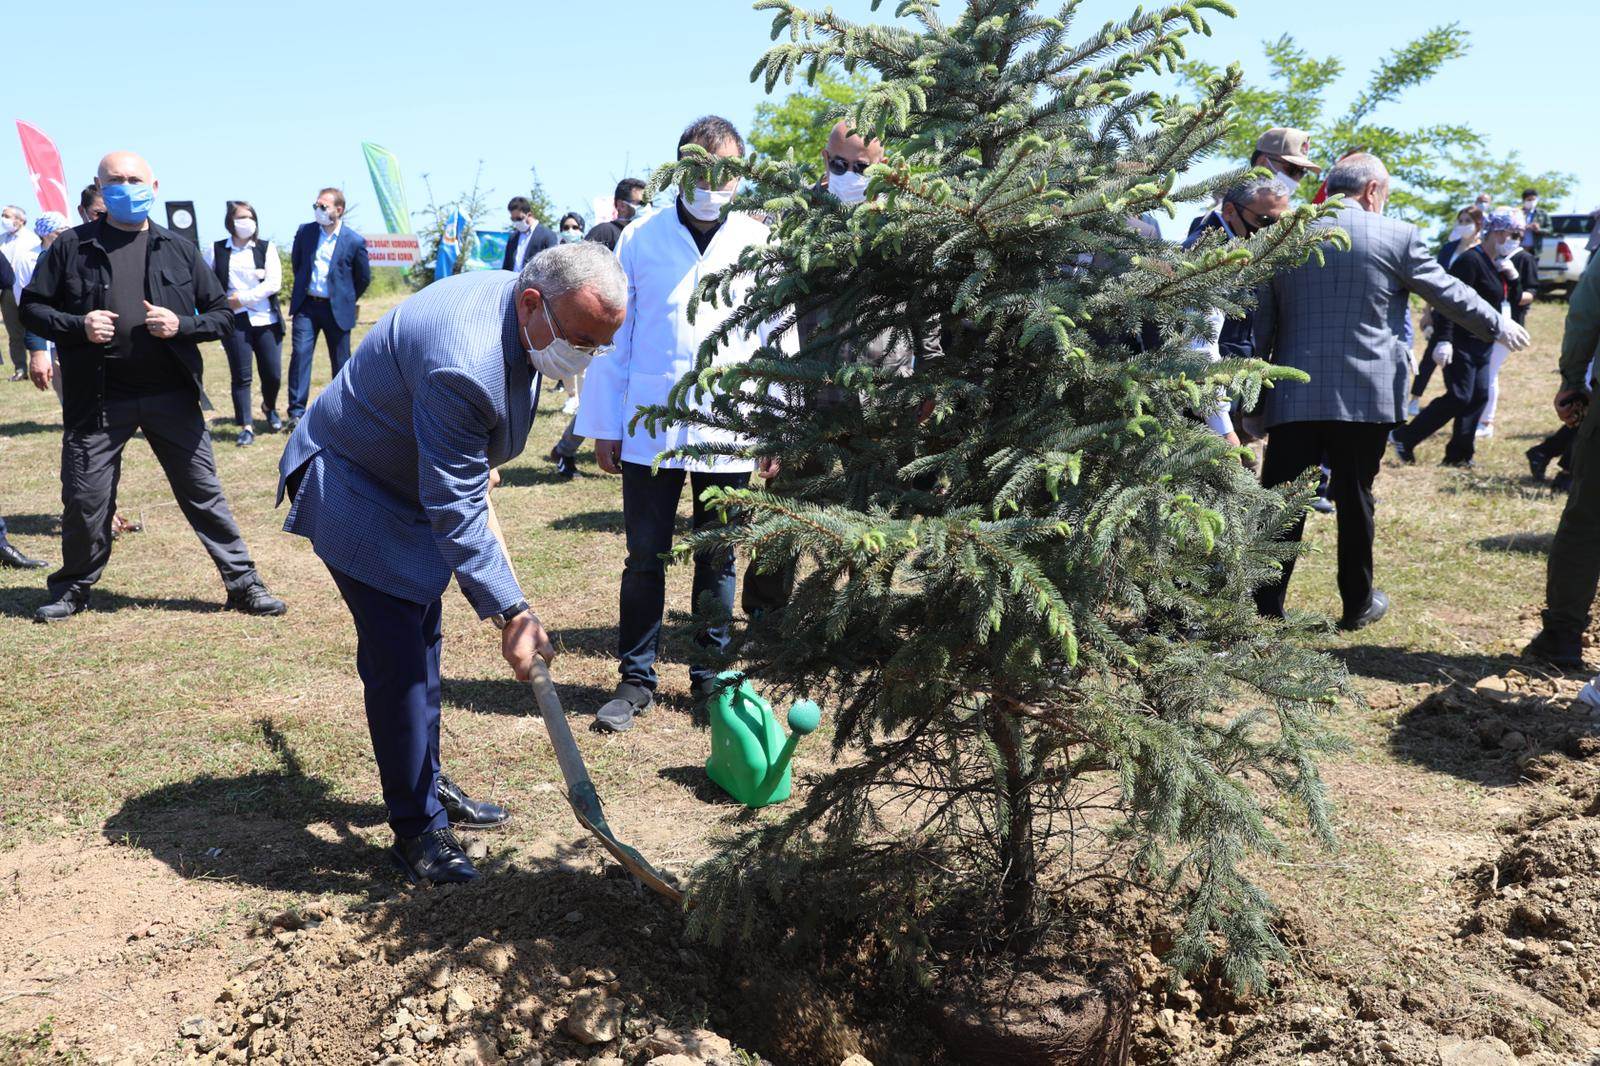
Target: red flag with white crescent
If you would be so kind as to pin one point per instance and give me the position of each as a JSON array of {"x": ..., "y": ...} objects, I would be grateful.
[{"x": 44, "y": 168}]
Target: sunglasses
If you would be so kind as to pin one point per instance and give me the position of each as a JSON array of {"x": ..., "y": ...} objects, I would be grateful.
[{"x": 837, "y": 165}]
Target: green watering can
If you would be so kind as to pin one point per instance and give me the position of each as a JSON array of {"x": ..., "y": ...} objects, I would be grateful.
[{"x": 749, "y": 752}]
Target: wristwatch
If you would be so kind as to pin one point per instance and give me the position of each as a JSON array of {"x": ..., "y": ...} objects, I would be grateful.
[{"x": 504, "y": 618}]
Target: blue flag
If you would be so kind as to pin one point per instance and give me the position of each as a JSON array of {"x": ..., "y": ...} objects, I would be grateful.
[{"x": 444, "y": 264}]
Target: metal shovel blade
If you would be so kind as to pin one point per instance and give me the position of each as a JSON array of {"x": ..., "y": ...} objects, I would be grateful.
[{"x": 581, "y": 791}]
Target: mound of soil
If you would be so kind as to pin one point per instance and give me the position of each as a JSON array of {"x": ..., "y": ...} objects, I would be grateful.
[{"x": 548, "y": 967}]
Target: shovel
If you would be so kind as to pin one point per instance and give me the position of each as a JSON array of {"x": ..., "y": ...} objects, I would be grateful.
[{"x": 580, "y": 790}]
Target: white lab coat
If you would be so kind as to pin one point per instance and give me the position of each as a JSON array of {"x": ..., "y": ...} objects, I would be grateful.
[{"x": 657, "y": 343}]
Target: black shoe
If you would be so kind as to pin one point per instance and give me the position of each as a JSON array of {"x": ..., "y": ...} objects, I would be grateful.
[
  {"x": 1377, "y": 607},
  {"x": 1538, "y": 462},
  {"x": 12, "y": 559},
  {"x": 467, "y": 812},
  {"x": 291, "y": 422},
  {"x": 69, "y": 604},
  {"x": 20, "y": 375},
  {"x": 566, "y": 466},
  {"x": 434, "y": 858},
  {"x": 1402, "y": 450},
  {"x": 1562, "y": 482},
  {"x": 618, "y": 713},
  {"x": 255, "y": 599},
  {"x": 1558, "y": 649},
  {"x": 1460, "y": 464},
  {"x": 247, "y": 437},
  {"x": 274, "y": 423}
]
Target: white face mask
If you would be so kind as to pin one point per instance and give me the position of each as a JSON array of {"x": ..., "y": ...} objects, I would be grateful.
[
  {"x": 521, "y": 225},
  {"x": 13, "y": 223},
  {"x": 558, "y": 359},
  {"x": 244, "y": 228},
  {"x": 707, "y": 204},
  {"x": 323, "y": 215},
  {"x": 1508, "y": 247},
  {"x": 1286, "y": 183},
  {"x": 849, "y": 187},
  {"x": 1462, "y": 230}
]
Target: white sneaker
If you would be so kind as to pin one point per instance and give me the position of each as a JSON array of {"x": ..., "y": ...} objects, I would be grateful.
[
  {"x": 1485, "y": 429},
  {"x": 1413, "y": 407},
  {"x": 570, "y": 407},
  {"x": 1589, "y": 695}
]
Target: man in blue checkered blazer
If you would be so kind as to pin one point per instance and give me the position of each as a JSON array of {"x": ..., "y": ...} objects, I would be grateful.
[
  {"x": 389, "y": 474},
  {"x": 1342, "y": 323}
]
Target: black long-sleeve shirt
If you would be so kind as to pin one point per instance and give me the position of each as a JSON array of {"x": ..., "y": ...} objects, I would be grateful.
[
  {"x": 75, "y": 277},
  {"x": 1483, "y": 276}
]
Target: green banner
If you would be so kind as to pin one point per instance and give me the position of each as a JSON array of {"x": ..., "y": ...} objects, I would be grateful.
[{"x": 385, "y": 171}]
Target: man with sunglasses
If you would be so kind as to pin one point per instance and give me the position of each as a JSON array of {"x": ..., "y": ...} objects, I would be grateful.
[
  {"x": 331, "y": 271},
  {"x": 389, "y": 477},
  {"x": 1246, "y": 209}
]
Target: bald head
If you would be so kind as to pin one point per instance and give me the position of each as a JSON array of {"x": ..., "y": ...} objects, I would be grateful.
[
  {"x": 124, "y": 168},
  {"x": 846, "y": 157}
]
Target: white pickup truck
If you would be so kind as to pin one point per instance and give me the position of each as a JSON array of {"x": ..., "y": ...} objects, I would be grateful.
[{"x": 1565, "y": 253}]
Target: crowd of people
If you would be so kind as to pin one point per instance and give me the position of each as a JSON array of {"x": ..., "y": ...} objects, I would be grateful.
[{"x": 389, "y": 470}]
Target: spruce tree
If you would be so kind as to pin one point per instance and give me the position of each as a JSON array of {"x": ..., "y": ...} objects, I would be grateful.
[{"x": 1025, "y": 570}]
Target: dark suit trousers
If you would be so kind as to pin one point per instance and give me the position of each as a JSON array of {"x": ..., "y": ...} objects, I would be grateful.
[
  {"x": 1466, "y": 383},
  {"x": 315, "y": 316},
  {"x": 14, "y": 331},
  {"x": 397, "y": 656},
  {"x": 91, "y": 465},
  {"x": 1353, "y": 451}
]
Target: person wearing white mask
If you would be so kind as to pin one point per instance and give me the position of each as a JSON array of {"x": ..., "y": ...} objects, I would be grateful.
[
  {"x": 529, "y": 236},
  {"x": 331, "y": 271},
  {"x": 16, "y": 241},
  {"x": 1521, "y": 273},
  {"x": 1467, "y": 357},
  {"x": 665, "y": 257},
  {"x": 389, "y": 476},
  {"x": 1463, "y": 237},
  {"x": 845, "y": 159},
  {"x": 248, "y": 267}
]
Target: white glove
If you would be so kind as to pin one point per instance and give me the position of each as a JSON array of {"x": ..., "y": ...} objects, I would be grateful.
[
  {"x": 1513, "y": 336},
  {"x": 1509, "y": 269},
  {"x": 1443, "y": 352}
]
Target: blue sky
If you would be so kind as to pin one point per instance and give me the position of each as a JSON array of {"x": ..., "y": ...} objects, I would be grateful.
[{"x": 272, "y": 105}]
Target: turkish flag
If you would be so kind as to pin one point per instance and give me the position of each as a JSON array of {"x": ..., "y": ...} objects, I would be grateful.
[{"x": 44, "y": 168}]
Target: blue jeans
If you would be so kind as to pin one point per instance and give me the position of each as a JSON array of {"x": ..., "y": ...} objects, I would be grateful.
[
  {"x": 649, "y": 509},
  {"x": 264, "y": 343},
  {"x": 315, "y": 316},
  {"x": 397, "y": 656}
]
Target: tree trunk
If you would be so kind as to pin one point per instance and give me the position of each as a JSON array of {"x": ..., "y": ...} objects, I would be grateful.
[{"x": 1020, "y": 882}]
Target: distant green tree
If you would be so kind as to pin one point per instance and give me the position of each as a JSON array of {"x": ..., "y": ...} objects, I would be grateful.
[
  {"x": 473, "y": 203},
  {"x": 801, "y": 121},
  {"x": 1436, "y": 168},
  {"x": 544, "y": 208}
]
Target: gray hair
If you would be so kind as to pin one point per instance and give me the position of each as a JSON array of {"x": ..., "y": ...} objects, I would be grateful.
[
  {"x": 1245, "y": 193},
  {"x": 1351, "y": 175},
  {"x": 580, "y": 265}
]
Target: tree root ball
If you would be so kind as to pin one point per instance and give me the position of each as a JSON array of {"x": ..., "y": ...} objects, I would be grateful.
[{"x": 1039, "y": 1018}]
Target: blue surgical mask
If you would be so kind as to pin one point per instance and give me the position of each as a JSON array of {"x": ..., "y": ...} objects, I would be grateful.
[
  {"x": 129, "y": 204},
  {"x": 570, "y": 236}
]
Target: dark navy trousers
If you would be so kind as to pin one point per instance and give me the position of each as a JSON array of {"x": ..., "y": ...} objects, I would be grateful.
[{"x": 397, "y": 656}]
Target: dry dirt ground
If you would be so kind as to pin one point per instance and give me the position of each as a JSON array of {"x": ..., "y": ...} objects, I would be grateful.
[{"x": 191, "y": 847}]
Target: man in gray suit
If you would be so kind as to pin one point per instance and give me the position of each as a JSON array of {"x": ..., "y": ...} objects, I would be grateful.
[
  {"x": 1342, "y": 322},
  {"x": 389, "y": 472}
]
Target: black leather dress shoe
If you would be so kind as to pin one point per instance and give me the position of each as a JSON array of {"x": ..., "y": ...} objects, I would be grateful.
[
  {"x": 15, "y": 560},
  {"x": 1377, "y": 607},
  {"x": 60, "y": 610},
  {"x": 434, "y": 858},
  {"x": 256, "y": 600},
  {"x": 466, "y": 812},
  {"x": 1558, "y": 649}
]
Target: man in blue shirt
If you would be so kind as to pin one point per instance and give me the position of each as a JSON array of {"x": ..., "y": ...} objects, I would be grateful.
[{"x": 330, "y": 274}]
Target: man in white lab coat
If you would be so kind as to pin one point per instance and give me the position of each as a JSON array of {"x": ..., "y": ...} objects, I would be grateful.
[{"x": 665, "y": 256}]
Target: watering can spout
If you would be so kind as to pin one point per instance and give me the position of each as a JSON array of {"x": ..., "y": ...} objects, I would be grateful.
[{"x": 804, "y": 717}]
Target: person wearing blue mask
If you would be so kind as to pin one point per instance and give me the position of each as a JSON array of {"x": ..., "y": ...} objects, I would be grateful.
[
  {"x": 570, "y": 228},
  {"x": 128, "y": 304}
]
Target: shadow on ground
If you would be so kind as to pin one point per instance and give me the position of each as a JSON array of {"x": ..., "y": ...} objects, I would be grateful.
[
  {"x": 22, "y": 429},
  {"x": 1492, "y": 741},
  {"x": 22, "y": 602},
  {"x": 512, "y": 697},
  {"x": 1405, "y": 666},
  {"x": 33, "y": 525},
  {"x": 254, "y": 829},
  {"x": 1519, "y": 543},
  {"x": 591, "y": 522},
  {"x": 694, "y": 778}
]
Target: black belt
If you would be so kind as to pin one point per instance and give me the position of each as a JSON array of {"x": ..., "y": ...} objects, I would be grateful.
[{"x": 319, "y": 299}]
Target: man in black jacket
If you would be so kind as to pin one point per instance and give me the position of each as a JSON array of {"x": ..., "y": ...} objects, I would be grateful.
[
  {"x": 128, "y": 304},
  {"x": 529, "y": 236},
  {"x": 1486, "y": 270},
  {"x": 628, "y": 200}
]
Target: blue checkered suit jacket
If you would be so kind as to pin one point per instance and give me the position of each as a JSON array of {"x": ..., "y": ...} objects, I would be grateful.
[
  {"x": 396, "y": 451},
  {"x": 1343, "y": 322}
]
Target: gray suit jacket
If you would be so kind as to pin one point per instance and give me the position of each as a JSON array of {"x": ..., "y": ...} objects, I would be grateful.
[
  {"x": 395, "y": 453},
  {"x": 1343, "y": 323}
]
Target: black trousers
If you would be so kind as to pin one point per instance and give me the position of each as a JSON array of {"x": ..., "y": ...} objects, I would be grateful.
[
  {"x": 15, "y": 343},
  {"x": 265, "y": 344},
  {"x": 91, "y": 466},
  {"x": 1353, "y": 452},
  {"x": 1466, "y": 383},
  {"x": 1557, "y": 446}
]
